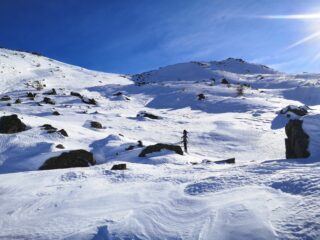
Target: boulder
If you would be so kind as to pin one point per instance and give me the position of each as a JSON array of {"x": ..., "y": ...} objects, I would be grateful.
[
  {"x": 121, "y": 166},
  {"x": 299, "y": 111},
  {"x": 144, "y": 114},
  {"x": 48, "y": 101},
  {"x": 226, "y": 161},
  {"x": 297, "y": 141},
  {"x": 56, "y": 113},
  {"x": 75, "y": 158},
  {"x": 5, "y": 98},
  {"x": 95, "y": 124},
  {"x": 118, "y": 94},
  {"x": 160, "y": 146},
  {"x": 60, "y": 146},
  {"x": 201, "y": 97},
  {"x": 76, "y": 94},
  {"x": 18, "y": 101},
  {"x": 52, "y": 92},
  {"x": 48, "y": 128},
  {"x": 91, "y": 101},
  {"x": 140, "y": 144},
  {"x": 63, "y": 132},
  {"x": 31, "y": 95},
  {"x": 129, "y": 148},
  {"x": 224, "y": 81},
  {"x": 11, "y": 124}
]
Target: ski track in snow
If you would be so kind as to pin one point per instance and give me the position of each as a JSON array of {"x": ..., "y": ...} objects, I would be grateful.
[{"x": 162, "y": 196}]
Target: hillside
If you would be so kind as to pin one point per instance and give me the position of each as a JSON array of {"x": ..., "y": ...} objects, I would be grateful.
[{"x": 230, "y": 109}]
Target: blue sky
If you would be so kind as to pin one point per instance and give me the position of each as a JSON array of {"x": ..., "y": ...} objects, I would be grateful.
[{"x": 130, "y": 36}]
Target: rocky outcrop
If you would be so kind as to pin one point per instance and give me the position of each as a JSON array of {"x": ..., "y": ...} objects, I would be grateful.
[
  {"x": 75, "y": 158},
  {"x": 160, "y": 146},
  {"x": 121, "y": 166},
  {"x": 297, "y": 110},
  {"x": 144, "y": 114},
  {"x": 297, "y": 141},
  {"x": 11, "y": 124}
]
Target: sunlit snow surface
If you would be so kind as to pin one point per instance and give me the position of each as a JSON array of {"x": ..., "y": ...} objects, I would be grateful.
[{"x": 162, "y": 196}]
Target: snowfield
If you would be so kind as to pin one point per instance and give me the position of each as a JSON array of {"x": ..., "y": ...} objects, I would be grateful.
[{"x": 163, "y": 195}]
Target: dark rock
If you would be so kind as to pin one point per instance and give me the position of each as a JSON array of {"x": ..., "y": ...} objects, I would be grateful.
[
  {"x": 91, "y": 101},
  {"x": 5, "y": 98},
  {"x": 118, "y": 94},
  {"x": 300, "y": 111},
  {"x": 129, "y": 148},
  {"x": 60, "y": 146},
  {"x": 51, "y": 129},
  {"x": 18, "y": 101},
  {"x": 49, "y": 101},
  {"x": 226, "y": 161},
  {"x": 201, "y": 96},
  {"x": 76, "y": 94},
  {"x": 56, "y": 113},
  {"x": 160, "y": 146},
  {"x": 140, "y": 144},
  {"x": 121, "y": 166},
  {"x": 95, "y": 124},
  {"x": 63, "y": 132},
  {"x": 8, "y": 104},
  {"x": 48, "y": 127},
  {"x": 52, "y": 92},
  {"x": 31, "y": 95},
  {"x": 144, "y": 114},
  {"x": 75, "y": 158},
  {"x": 224, "y": 81},
  {"x": 297, "y": 142},
  {"x": 11, "y": 124}
]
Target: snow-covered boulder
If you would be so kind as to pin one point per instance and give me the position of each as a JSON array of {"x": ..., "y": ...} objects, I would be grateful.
[{"x": 294, "y": 111}]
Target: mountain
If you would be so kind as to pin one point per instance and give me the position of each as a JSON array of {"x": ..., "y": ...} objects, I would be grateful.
[
  {"x": 194, "y": 71},
  {"x": 230, "y": 109}
]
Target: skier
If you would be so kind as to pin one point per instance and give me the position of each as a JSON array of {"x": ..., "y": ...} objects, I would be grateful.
[{"x": 185, "y": 140}]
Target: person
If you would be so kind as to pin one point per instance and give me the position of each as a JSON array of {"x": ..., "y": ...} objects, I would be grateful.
[{"x": 185, "y": 140}]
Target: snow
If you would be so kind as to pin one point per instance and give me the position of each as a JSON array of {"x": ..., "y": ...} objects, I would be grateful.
[{"x": 163, "y": 195}]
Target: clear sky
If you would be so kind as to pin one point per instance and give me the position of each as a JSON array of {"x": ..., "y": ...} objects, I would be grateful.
[{"x": 130, "y": 36}]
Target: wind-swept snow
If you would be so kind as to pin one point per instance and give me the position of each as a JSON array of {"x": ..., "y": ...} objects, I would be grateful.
[{"x": 163, "y": 195}]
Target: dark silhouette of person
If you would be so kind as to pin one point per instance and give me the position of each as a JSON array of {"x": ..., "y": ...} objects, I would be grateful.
[{"x": 185, "y": 140}]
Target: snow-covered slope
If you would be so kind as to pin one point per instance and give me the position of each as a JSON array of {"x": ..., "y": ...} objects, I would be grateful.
[
  {"x": 198, "y": 71},
  {"x": 161, "y": 196}
]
